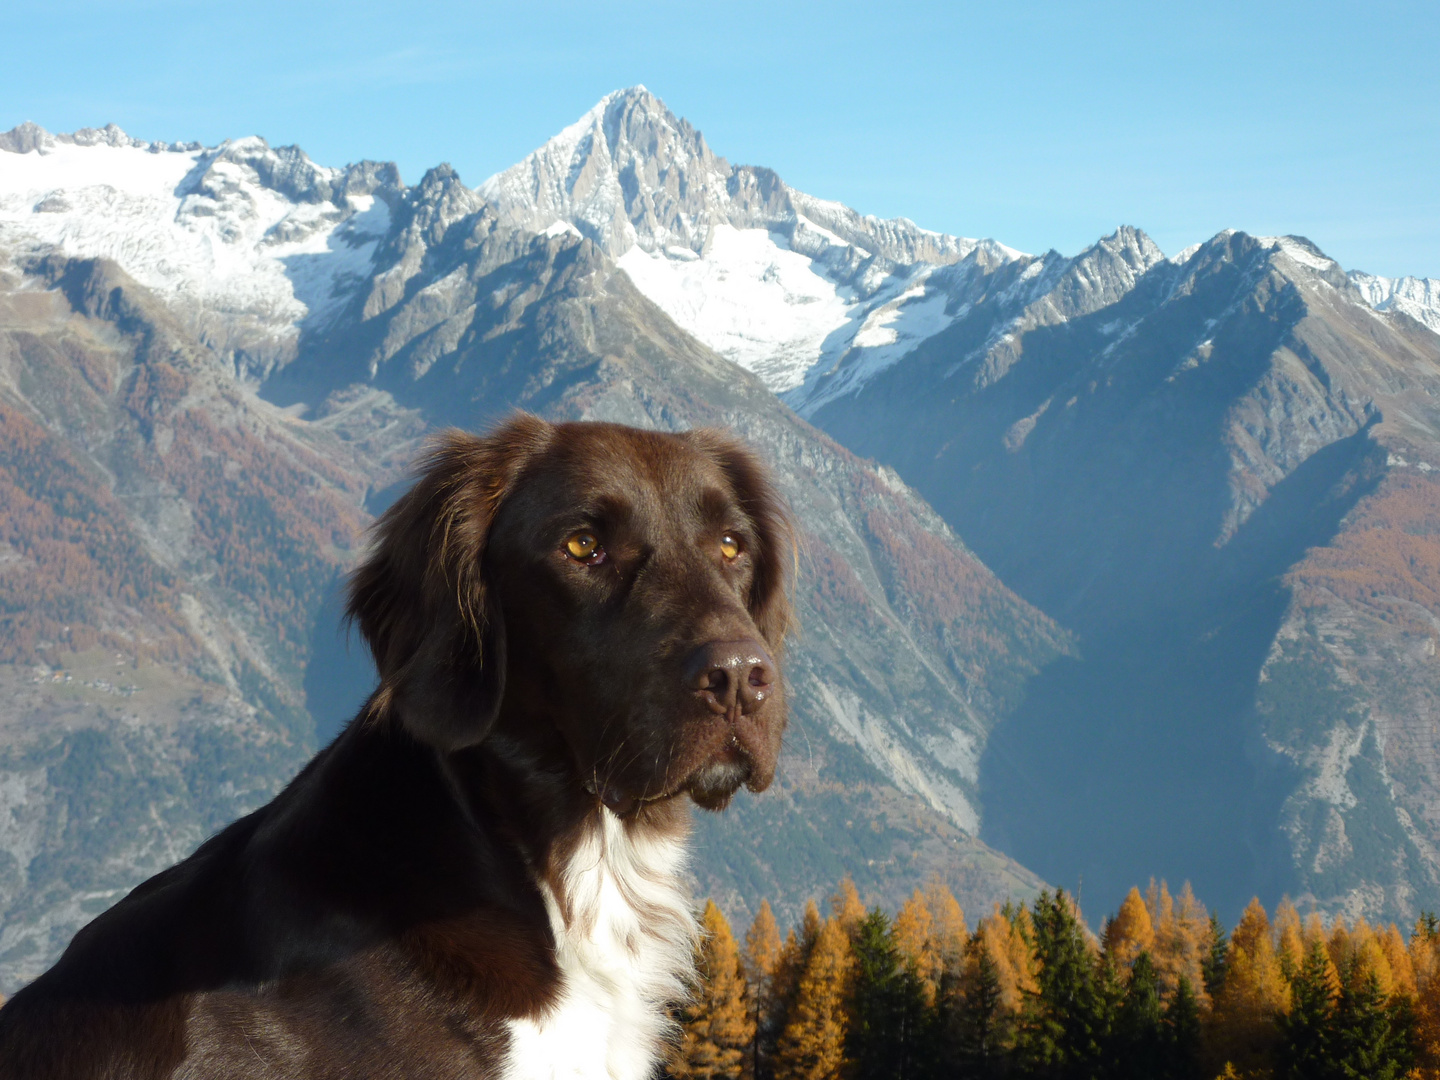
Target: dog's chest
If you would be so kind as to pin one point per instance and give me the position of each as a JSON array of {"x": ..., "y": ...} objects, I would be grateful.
[{"x": 625, "y": 940}]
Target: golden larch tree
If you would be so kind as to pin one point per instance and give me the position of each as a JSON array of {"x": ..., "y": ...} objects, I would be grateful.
[
  {"x": 1255, "y": 993},
  {"x": 1339, "y": 942},
  {"x": 763, "y": 957},
  {"x": 914, "y": 935},
  {"x": 845, "y": 905},
  {"x": 1130, "y": 932},
  {"x": 1006, "y": 945},
  {"x": 1182, "y": 939},
  {"x": 716, "y": 1027},
  {"x": 1392, "y": 944},
  {"x": 1366, "y": 957},
  {"x": 951, "y": 933},
  {"x": 812, "y": 1046}
]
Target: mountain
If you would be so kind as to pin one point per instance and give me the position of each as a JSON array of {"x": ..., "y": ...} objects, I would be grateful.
[
  {"x": 1122, "y": 563},
  {"x": 1215, "y": 470},
  {"x": 207, "y": 401}
]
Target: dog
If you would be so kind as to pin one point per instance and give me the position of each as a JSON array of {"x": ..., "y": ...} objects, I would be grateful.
[{"x": 576, "y": 628}]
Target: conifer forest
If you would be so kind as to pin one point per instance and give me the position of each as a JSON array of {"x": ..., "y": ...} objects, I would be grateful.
[{"x": 1164, "y": 992}]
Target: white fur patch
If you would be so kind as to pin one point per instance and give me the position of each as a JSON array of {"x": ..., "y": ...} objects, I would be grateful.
[{"x": 626, "y": 951}]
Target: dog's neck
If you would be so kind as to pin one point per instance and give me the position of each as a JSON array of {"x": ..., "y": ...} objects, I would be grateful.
[
  {"x": 625, "y": 940},
  {"x": 618, "y": 907}
]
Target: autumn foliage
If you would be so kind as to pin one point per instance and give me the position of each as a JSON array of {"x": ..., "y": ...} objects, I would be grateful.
[{"x": 1029, "y": 991}]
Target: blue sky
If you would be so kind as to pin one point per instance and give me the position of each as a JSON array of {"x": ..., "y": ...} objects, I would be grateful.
[{"x": 1040, "y": 124}]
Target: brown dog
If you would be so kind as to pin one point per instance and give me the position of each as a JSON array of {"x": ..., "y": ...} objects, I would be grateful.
[{"x": 575, "y": 626}]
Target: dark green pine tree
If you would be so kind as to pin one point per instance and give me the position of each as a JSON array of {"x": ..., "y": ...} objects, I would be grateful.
[
  {"x": 890, "y": 1027},
  {"x": 1212, "y": 964},
  {"x": 1182, "y": 1034},
  {"x": 1307, "y": 1032},
  {"x": 978, "y": 1024},
  {"x": 1139, "y": 1040},
  {"x": 1065, "y": 1025},
  {"x": 1372, "y": 1037}
]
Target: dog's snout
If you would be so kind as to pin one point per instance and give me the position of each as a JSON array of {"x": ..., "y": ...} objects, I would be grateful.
[{"x": 727, "y": 674}]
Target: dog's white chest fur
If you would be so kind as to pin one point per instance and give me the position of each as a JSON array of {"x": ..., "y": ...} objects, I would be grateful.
[{"x": 625, "y": 941}]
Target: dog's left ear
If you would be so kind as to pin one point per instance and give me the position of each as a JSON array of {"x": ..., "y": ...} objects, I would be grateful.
[
  {"x": 769, "y": 600},
  {"x": 421, "y": 599}
]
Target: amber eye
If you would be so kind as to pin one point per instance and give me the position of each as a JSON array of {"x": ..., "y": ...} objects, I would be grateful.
[
  {"x": 584, "y": 547},
  {"x": 730, "y": 545}
]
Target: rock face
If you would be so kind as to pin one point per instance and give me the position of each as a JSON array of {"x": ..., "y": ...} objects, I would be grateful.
[
  {"x": 1216, "y": 470},
  {"x": 174, "y": 539}
]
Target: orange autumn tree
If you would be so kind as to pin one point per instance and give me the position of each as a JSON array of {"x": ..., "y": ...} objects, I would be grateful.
[
  {"x": 716, "y": 1027},
  {"x": 949, "y": 930},
  {"x": 914, "y": 934},
  {"x": 764, "y": 955},
  {"x": 1130, "y": 932},
  {"x": 785, "y": 985},
  {"x": 1182, "y": 939},
  {"x": 1256, "y": 992},
  {"x": 846, "y": 907},
  {"x": 812, "y": 1046}
]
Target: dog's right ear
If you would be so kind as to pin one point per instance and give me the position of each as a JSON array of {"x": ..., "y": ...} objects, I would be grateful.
[{"x": 420, "y": 597}]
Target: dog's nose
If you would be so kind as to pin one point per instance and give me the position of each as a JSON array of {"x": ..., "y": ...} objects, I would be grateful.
[{"x": 730, "y": 673}]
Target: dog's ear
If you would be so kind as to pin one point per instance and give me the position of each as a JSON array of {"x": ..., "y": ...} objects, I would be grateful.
[
  {"x": 420, "y": 597},
  {"x": 769, "y": 600}
]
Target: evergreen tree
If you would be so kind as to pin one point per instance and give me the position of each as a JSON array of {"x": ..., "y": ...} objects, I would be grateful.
[
  {"x": 1307, "y": 1050},
  {"x": 1065, "y": 1025},
  {"x": 812, "y": 1046},
  {"x": 981, "y": 1028},
  {"x": 1427, "y": 926},
  {"x": 716, "y": 1027},
  {"x": 1371, "y": 1039},
  {"x": 1182, "y": 1034},
  {"x": 888, "y": 1029},
  {"x": 1139, "y": 1039},
  {"x": 1213, "y": 969}
]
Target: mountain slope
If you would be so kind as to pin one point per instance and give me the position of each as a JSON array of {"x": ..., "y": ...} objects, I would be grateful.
[
  {"x": 167, "y": 540},
  {"x": 1217, "y": 477}
]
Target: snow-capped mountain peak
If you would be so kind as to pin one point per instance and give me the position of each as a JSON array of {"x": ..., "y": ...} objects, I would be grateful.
[
  {"x": 249, "y": 240},
  {"x": 781, "y": 282},
  {"x": 1416, "y": 297},
  {"x": 627, "y": 172}
]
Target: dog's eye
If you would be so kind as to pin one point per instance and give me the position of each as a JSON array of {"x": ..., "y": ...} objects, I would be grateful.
[
  {"x": 730, "y": 546},
  {"x": 585, "y": 548}
]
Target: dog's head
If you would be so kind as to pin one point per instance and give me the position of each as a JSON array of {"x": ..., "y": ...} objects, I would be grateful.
[{"x": 616, "y": 593}]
